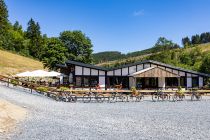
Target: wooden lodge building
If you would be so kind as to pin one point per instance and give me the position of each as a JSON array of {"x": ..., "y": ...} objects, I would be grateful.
[{"x": 147, "y": 74}]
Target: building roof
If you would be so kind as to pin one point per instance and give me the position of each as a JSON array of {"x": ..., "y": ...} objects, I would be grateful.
[
  {"x": 86, "y": 65},
  {"x": 161, "y": 64},
  {"x": 154, "y": 72},
  {"x": 132, "y": 64}
]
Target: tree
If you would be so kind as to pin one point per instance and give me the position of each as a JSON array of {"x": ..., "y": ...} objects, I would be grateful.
[
  {"x": 205, "y": 37},
  {"x": 36, "y": 43},
  {"x": 4, "y": 24},
  {"x": 17, "y": 26},
  {"x": 195, "y": 39},
  {"x": 208, "y": 36},
  {"x": 186, "y": 41},
  {"x": 165, "y": 44},
  {"x": 55, "y": 53},
  {"x": 205, "y": 66},
  {"x": 79, "y": 46}
]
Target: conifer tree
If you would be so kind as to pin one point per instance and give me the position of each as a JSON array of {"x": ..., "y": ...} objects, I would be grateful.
[
  {"x": 34, "y": 34},
  {"x": 4, "y": 24}
]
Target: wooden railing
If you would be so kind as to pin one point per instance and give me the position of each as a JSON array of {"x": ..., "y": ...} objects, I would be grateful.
[{"x": 26, "y": 84}]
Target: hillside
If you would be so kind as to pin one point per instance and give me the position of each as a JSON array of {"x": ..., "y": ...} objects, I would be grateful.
[
  {"x": 178, "y": 57},
  {"x": 107, "y": 56},
  {"x": 162, "y": 44},
  {"x": 11, "y": 63},
  {"x": 204, "y": 47}
]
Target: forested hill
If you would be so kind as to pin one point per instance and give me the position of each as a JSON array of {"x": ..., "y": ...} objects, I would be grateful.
[
  {"x": 161, "y": 45},
  {"x": 196, "y": 57},
  {"x": 107, "y": 56}
]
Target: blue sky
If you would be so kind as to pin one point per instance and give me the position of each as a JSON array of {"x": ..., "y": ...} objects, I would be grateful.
[{"x": 116, "y": 25}]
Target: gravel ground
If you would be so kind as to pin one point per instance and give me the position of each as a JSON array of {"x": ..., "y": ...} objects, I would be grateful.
[{"x": 51, "y": 120}]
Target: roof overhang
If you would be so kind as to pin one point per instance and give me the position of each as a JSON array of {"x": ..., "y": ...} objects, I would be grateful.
[
  {"x": 85, "y": 65},
  {"x": 129, "y": 65},
  {"x": 154, "y": 72},
  {"x": 61, "y": 65}
]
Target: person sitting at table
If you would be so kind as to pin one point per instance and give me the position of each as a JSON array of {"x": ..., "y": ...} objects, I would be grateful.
[{"x": 98, "y": 87}]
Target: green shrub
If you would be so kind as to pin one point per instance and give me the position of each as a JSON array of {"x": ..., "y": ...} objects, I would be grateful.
[
  {"x": 180, "y": 91},
  {"x": 64, "y": 88},
  {"x": 14, "y": 82},
  {"x": 134, "y": 91},
  {"x": 42, "y": 89}
]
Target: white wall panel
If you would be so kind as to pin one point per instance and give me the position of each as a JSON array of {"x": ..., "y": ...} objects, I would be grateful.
[
  {"x": 193, "y": 75},
  {"x": 175, "y": 71},
  {"x": 139, "y": 67},
  {"x": 132, "y": 69},
  {"x": 117, "y": 72},
  {"x": 189, "y": 82},
  {"x": 86, "y": 71},
  {"x": 182, "y": 73},
  {"x": 189, "y": 74},
  {"x": 94, "y": 72},
  {"x": 153, "y": 65},
  {"x": 102, "y": 81},
  {"x": 125, "y": 71},
  {"x": 102, "y": 73},
  {"x": 200, "y": 81},
  {"x": 78, "y": 70},
  {"x": 161, "y": 82},
  {"x": 146, "y": 65},
  {"x": 132, "y": 82},
  {"x": 110, "y": 73}
]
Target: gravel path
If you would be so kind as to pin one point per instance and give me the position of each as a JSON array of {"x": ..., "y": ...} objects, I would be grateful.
[{"x": 51, "y": 120}]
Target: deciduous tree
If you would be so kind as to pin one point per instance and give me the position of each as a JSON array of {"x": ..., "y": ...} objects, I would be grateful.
[
  {"x": 78, "y": 44},
  {"x": 55, "y": 53}
]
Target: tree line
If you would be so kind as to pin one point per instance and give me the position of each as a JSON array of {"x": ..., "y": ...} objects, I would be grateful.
[
  {"x": 196, "y": 39},
  {"x": 71, "y": 45}
]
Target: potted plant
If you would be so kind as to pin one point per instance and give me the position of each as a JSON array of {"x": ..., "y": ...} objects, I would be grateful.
[{"x": 71, "y": 86}]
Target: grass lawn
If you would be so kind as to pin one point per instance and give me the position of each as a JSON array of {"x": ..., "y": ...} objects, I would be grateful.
[{"x": 11, "y": 63}]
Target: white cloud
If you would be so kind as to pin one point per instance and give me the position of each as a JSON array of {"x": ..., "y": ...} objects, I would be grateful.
[{"x": 138, "y": 13}]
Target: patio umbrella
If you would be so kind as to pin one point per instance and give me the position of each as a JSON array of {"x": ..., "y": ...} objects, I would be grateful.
[
  {"x": 39, "y": 73},
  {"x": 23, "y": 74},
  {"x": 54, "y": 74}
]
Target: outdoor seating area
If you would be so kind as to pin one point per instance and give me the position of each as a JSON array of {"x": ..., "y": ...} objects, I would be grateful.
[
  {"x": 98, "y": 95},
  {"x": 40, "y": 77}
]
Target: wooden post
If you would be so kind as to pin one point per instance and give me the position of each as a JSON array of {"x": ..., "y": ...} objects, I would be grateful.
[
  {"x": 8, "y": 82},
  {"x": 179, "y": 81}
]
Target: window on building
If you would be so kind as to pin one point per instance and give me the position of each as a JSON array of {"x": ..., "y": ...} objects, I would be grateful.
[
  {"x": 86, "y": 81},
  {"x": 171, "y": 82},
  {"x": 65, "y": 80},
  {"x": 93, "y": 81},
  {"x": 78, "y": 81},
  {"x": 71, "y": 78},
  {"x": 146, "y": 82},
  {"x": 114, "y": 80},
  {"x": 195, "y": 81},
  {"x": 182, "y": 81},
  {"x": 139, "y": 83}
]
